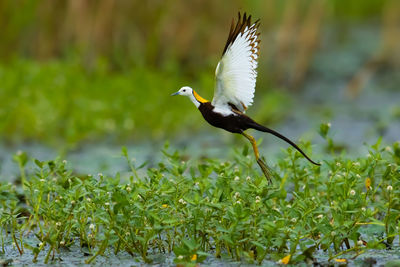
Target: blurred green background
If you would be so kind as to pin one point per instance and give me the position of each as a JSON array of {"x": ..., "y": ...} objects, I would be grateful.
[{"x": 86, "y": 71}]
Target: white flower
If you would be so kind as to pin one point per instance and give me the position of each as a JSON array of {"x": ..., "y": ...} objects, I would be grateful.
[
  {"x": 56, "y": 200},
  {"x": 388, "y": 148},
  {"x": 352, "y": 192},
  {"x": 127, "y": 234},
  {"x": 358, "y": 176},
  {"x": 329, "y": 124},
  {"x": 248, "y": 178},
  {"x": 360, "y": 243},
  {"x": 92, "y": 226},
  {"x": 356, "y": 163},
  {"x": 64, "y": 161},
  {"x": 389, "y": 188},
  {"x": 333, "y": 233},
  {"x": 180, "y": 257},
  {"x": 58, "y": 224},
  {"x": 42, "y": 180},
  {"x": 258, "y": 199},
  {"x": 62, "y": 242},
  {"x": 128, "y": 189},
  {"x": 40, "y": 244},
  {"x": 70, "y": 181},
  {"x": 338, "y": 164},
  {"x": 288, "y": 206},
  {"x": 107, "y": 204},
  {"x": 294, "y": 220},
  {"x": 89, "y": 199},
  {"x": 320, "y": 216},
  {"x": 238, "y": 202},
  {"x": 237, "y": 195},
  {"x": 182, "y": 201},
  {"x": 237, "y": 178}
]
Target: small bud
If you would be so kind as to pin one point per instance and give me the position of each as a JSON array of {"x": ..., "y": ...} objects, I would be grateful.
[
  {"x": 389, "y": 188},
  {"x": 352, "y": 192},
  {"x": 360, "y": 242},
  {"x": 333, "y": 233},
  {"x": 180, "y": 257},
  {"x": 58, "y": 224},
  {"x": 128, "y": 189},
  {"x": 62, "y": 243},
  {"x": 64, "y": 161},
  {"x": 237, "y": 178},
  {"x": 294, "y": 220},
  {"x": 320, "y": 216},
  {"x": 248, "y": 178},
  {"x": 92, "y": 226}
]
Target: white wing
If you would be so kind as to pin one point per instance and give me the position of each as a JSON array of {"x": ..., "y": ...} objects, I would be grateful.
[{"x": 236, "y": 72}]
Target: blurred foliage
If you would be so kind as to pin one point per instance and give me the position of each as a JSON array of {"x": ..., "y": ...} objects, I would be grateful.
[
  {"x": 156, "y": 33},
  {"x": 81, "y": 70},
  {"x": 56, "y": 101}
]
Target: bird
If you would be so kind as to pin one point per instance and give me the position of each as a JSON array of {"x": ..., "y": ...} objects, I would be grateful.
[{"x": 235, "y": 81}]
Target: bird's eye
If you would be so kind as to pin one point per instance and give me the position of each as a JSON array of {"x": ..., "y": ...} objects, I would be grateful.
[{"x": 184, "y": 90}]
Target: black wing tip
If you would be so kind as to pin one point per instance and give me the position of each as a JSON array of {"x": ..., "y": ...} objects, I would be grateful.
[{"x": 243, "y": 21}]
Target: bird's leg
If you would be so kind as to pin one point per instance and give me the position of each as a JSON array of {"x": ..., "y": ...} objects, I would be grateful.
[{"x": 262, "y": 165}]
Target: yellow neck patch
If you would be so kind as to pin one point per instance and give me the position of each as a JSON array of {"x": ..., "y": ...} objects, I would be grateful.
[{"x": 199, "y": 98}]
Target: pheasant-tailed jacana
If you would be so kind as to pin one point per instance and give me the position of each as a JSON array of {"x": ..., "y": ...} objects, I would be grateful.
[{"x": 236, "y": 75}]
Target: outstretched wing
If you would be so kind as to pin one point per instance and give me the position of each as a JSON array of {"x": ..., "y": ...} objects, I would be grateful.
[{"x": 236, "y": 72}]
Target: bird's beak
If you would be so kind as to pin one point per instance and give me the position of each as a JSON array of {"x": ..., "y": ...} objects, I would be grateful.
[{"x": 177, "y": 93}]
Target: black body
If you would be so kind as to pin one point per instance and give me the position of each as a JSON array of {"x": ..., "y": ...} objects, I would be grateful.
[{"x": 239, "y": 123}]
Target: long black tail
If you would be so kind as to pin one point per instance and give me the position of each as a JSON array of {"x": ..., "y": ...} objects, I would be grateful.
[{"x": 261, "y": 128}]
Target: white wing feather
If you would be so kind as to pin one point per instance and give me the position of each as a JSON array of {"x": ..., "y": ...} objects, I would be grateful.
[{"x": 236, "y": 73}]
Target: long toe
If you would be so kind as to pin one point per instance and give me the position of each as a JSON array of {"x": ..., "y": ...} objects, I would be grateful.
[{"x": 264, "y": 169}]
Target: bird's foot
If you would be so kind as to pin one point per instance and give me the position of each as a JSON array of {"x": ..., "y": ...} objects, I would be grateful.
[{"x": 264, "y": 169}]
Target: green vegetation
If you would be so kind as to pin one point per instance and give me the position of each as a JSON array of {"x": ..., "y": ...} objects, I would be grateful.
[
  {"x": 62, "y": 102},
  {"x": 196, "y": 209}
]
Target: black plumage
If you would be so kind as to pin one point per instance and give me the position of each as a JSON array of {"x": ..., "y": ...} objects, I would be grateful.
[{"x": 239, "y": 122}]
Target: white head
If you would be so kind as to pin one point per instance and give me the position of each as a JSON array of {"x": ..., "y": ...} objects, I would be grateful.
[
  {"x": 189, "y": 92},
  {"x": 186, "y": 91}
]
